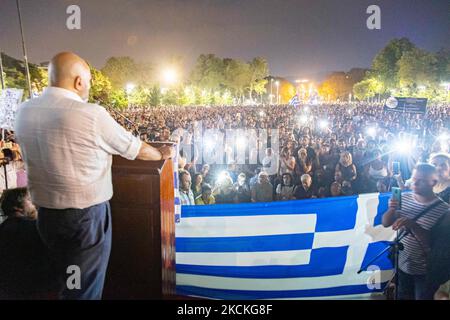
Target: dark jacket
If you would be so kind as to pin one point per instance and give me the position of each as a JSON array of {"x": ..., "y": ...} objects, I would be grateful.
[{"x": 24, "y": 262}]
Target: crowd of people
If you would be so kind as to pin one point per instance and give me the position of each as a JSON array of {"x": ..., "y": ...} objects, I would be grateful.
[
  {"x": 56, "y": 200},
  {"x": 322, "y": 150},
  {"x": 310, "y": 151}
]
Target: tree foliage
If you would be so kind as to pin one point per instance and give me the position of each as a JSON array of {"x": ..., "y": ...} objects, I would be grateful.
[{"x": 402, "y": 69}]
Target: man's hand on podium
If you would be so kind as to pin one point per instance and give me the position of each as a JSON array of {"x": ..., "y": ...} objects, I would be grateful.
[
  {"x": 147, "y": 152},
  {"x": 167, "y": 152}
]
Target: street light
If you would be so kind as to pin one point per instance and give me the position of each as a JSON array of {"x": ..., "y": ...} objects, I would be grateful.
[
  {"x": 277, "y": 83},
  {"x": 129, "y": 89},
  {"x": 170, "y": 76},
  {"x": 323, "y": 124},
  {"x": 271, "y": 90}
]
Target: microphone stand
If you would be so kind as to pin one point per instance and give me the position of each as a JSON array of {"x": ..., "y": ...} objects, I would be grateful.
[
  {"x": 395, "y": 246},
  {"x": 136, "y": 131}
]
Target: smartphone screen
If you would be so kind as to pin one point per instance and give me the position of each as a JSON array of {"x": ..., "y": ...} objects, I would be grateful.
[
  {"x": 395, "y": 167},
  {"x": 397, "y": 195}
]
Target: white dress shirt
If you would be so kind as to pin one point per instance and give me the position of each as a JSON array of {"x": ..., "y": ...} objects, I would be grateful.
[{"x": 67, "y": 145}]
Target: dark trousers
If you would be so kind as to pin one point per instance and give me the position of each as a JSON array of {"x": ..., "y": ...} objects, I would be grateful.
[
  {"x": 415, "y": 287},
  {"x": 78, "y": 238}
]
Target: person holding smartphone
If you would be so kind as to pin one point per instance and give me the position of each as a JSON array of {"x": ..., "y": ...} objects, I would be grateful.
[{"x": 420, "y": 211}]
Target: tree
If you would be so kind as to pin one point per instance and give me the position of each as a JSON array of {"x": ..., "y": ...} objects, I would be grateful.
[
  {"x": 367, "y": 88},
  {"x": 385, "y": 64},
  {"x": 417, "y": 68},
  {"x": 208, "y": 72},
  {"x": 337, "y": 85},
  {"x": 443, "y": 65},
  {"x": 122, "y": 70},
  {"x": 237, "y": 77},
  {"x": 260, "y": 87},
  {"x": 101, "y": 87},
  {"x": 155, "y": 95},
  {"x": 259, "y": 70}
]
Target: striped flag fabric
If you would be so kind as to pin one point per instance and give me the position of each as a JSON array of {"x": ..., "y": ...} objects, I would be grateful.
[
  {"x": 294, "y": 101},
  {"x": 300, "y": 249}
]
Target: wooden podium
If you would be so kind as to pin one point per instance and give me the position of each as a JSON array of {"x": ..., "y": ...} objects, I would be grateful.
[{"x": 142, "y": 263}]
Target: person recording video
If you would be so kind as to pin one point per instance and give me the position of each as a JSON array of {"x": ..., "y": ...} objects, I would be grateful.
[{"x": 420, "y": 210}]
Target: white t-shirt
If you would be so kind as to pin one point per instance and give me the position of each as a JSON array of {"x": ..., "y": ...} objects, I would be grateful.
[{"x": 67, "y": 146}]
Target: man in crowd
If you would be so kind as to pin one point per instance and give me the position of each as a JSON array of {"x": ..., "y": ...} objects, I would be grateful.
[
  {"x": 304, "y": 190},
  {"x": 419, "y": 212},
  {"x": 262, "y": 191},
  {"x": 68, "y": 145},
  {"x": 186, "y": 194}
]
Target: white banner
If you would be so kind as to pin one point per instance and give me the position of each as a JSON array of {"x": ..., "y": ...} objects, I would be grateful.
[{"x": 10, "y": 100}]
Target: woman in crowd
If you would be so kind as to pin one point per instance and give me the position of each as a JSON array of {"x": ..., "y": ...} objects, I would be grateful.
[
  {"x": 206, "y": 196},
  {"x": 197, "y": 185},
  {"x": 287, "y": 162},
  {"x": 285, "y": 190},
  {"x": 346, "y": 167},
  {"x": 304, "y": 163},
  {"x": 376, "y": 170}
]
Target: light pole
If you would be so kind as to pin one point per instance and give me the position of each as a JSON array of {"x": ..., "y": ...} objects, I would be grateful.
[
  {"x": 129, "y": 89},
  {"x": 277, "y": 83},
  {"x": 271, "y": 90},
  {"x": 24, "y": 51},
  {"x": 1, "y": 71}
]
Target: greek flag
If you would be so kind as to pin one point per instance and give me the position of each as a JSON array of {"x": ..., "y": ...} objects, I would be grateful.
[
  {"x": 294, "y": 101},
  {"x": 284, "y": 250}
]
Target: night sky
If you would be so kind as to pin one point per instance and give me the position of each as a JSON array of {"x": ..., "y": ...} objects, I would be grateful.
[{"x": 299, "y": 38}]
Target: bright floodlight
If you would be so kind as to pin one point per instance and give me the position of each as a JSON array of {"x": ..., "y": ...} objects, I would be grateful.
[
  {"x": 443, "y": 137},
  {"x": 222, "y": 177},
  {"x": 241, "y": 142},
  {"x": 323, "y": 124},
  {"x": 209, "y": 143},
  {"x": 170, "y": 76},
  {"x": 403, "y": 147},
  {"x": 303, "y": 119},
  {"x": 130, "y": 87},
  {"x": 306, "y": 109},
  {"x": 371, "y": 131}
]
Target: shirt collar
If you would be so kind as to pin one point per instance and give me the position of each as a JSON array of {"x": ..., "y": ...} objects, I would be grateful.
[{"x": 62, "y": 93}]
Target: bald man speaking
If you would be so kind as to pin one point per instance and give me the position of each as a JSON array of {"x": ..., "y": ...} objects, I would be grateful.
[{"x": 67, "y": 144}]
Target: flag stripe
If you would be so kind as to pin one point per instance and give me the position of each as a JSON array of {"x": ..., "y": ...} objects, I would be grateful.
[
  {"x": 333, "y": 214},
  {"x": 291, "y": 257},
  {"x": 251, "y": 295},
  {"x": 303, "y": 283},
  {"x": 247, "y": 226},
  {"x": 246, "y": 244},
  {"x": 323, "y": 262}
]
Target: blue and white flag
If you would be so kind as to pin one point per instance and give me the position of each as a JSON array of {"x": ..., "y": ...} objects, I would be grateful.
[
  {"x": 294, "y": 101},
  {"x": 283, "y": 250}
]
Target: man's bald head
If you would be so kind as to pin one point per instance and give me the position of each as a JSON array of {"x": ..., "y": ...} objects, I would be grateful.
[{"x": 71, "y": 72}]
